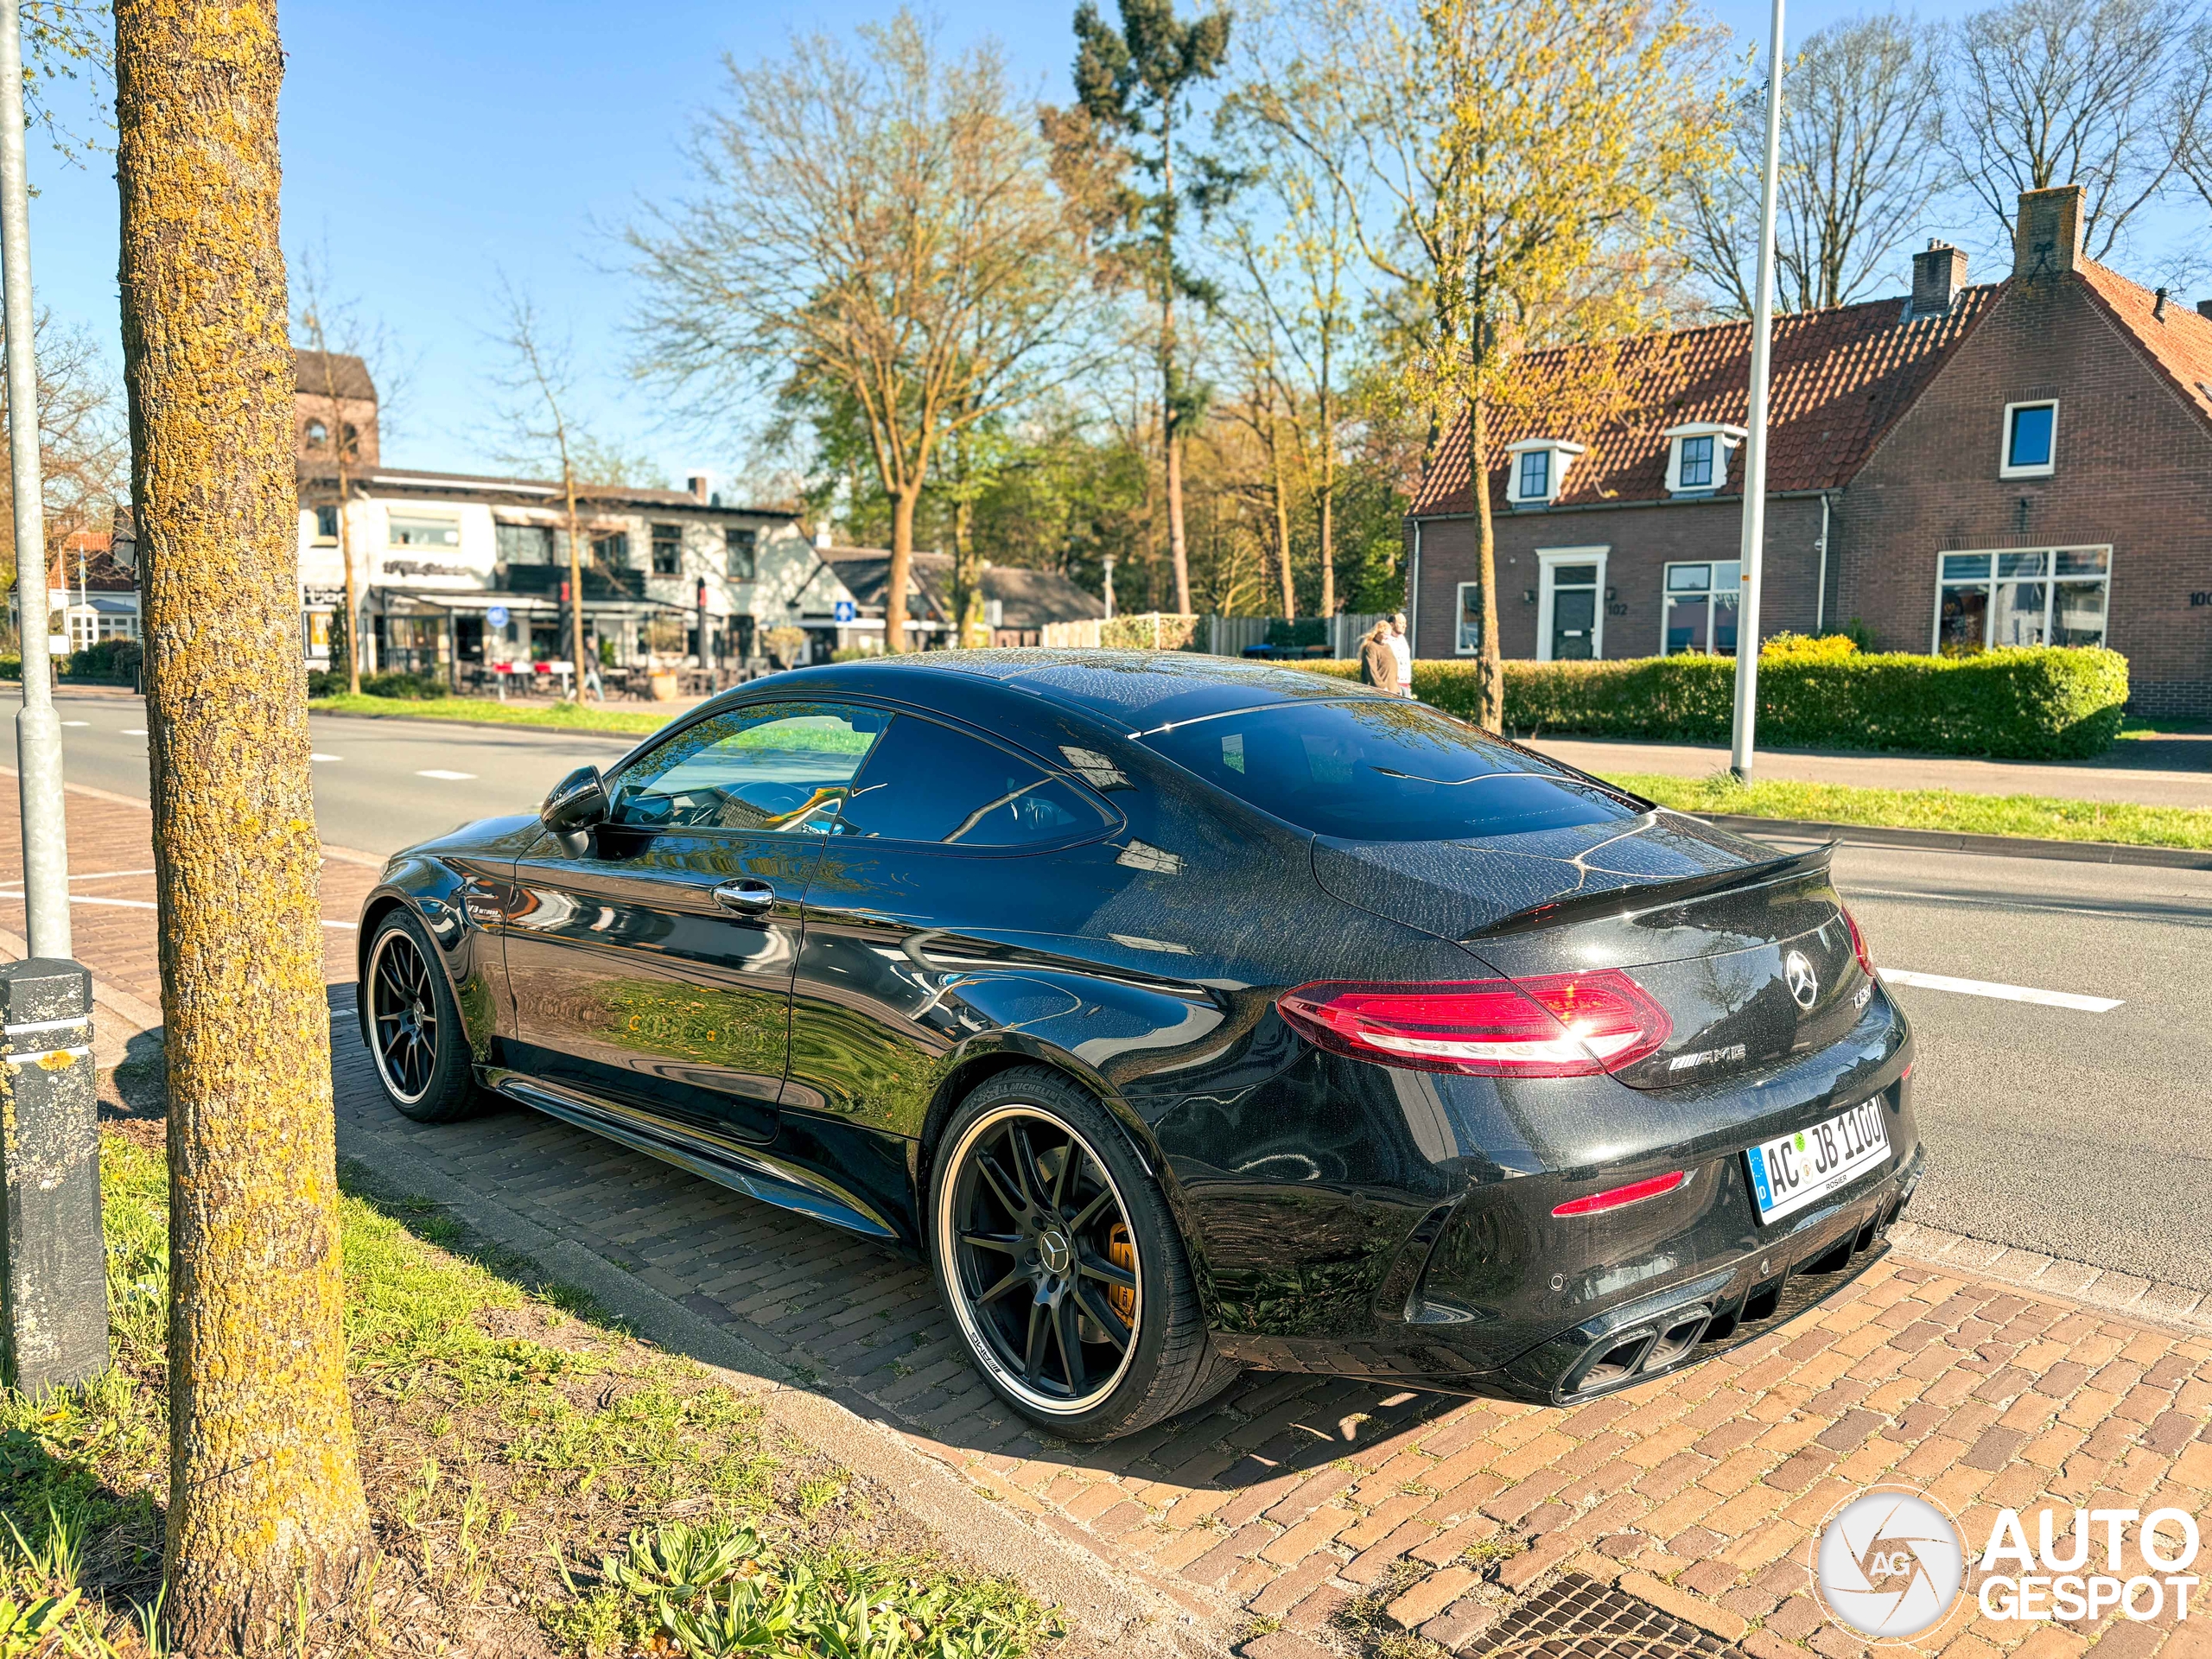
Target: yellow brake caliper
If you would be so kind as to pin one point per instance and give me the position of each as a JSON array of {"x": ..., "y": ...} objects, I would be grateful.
[{"x": 1122, "y": 1253}]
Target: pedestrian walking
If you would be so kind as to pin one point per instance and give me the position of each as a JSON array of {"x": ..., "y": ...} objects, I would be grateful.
[
  {"x": 1378, "y": 664},
  {"x": 1402, "y": 649}
]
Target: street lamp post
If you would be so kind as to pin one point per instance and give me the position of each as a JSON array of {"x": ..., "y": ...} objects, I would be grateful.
[
  {"x": 1743, "y": 750},
  {"x": 53, "y": 1264}
]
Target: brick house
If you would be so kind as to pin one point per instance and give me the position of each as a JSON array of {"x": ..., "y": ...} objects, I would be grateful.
[{"x": 2023, "y": 461}]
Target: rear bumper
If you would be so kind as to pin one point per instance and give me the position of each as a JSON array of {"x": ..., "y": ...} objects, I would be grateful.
[{"x": 1730, "y": 1305}]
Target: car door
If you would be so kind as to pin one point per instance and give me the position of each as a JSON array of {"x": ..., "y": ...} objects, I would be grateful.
[
  {"x": 923, "y": 915},
  {"x": 652, "y": 972}
]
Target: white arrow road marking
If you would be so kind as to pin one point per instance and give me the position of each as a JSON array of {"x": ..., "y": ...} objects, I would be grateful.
[
  {"x": 2002, "y": 993},
  {"x": 449, "y": 777}
]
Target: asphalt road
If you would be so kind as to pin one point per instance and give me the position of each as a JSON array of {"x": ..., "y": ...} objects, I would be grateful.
[
  {"x": 380, "y": 785},
  {"x": 2067, "y": 1127}
]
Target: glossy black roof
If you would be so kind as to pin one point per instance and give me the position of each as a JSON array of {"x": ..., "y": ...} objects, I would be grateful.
[{"x": 1136, "y": 690}]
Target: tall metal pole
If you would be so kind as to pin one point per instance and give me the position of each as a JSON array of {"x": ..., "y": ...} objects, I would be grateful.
[
  {"x": 1741, "y": 752},
  {"x": 38, "y": 729}
]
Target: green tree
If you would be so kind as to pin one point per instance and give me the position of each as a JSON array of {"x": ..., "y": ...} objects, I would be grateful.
[
  {"x": 1513, "y": 158},
  {"x": 1135, "y": 86},
  {"x": 266, "y": 1515}
]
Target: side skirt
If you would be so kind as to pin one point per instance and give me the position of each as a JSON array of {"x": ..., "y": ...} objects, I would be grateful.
[{"x": 725, "y": 1163}]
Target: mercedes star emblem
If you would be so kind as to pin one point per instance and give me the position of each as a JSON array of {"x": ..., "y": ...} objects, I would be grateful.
[{"x": 1804, "y": 983}]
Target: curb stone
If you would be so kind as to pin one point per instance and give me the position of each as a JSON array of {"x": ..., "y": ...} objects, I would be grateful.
[{"x": 2178, "y": 1307}]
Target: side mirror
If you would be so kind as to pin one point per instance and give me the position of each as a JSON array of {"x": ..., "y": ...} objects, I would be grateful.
[{"x": 575, "y": 808}]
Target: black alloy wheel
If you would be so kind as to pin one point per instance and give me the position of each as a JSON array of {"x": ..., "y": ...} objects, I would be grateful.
[
  {"x": 414, "y": 1024},
  {"x": 1060, "y": 1262}
]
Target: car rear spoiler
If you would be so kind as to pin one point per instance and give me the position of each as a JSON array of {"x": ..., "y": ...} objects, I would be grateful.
[{"x": 1647, "y": 896}]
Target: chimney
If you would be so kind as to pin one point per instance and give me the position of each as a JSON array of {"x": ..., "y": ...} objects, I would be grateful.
[
  {"x": 2204, "y": 308},
  {"x": 2047, "y": 241},
  {"x": 1937, "y": 277},
  {"x": 821, "y": 541},
  {"x": 699, "y": 484},
  {"x": 2159, "y": 309}
]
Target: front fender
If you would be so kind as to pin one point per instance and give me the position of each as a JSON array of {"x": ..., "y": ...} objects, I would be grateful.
[{"x": 451, "y": 901}]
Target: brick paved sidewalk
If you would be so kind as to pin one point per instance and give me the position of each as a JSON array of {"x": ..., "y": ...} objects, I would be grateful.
[{"x": 1331, "y": 1514}]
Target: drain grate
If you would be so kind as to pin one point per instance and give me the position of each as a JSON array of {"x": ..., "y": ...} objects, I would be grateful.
[{"x": 1579, "y": 1617}]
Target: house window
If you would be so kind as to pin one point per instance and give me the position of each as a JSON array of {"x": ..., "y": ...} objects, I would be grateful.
[
  {"x": 424, "y": 531},
  {"x": 1697, "y": 459},
  {"x": 1536, "y": 470},
  {"x": 1469, "y": 636},
  {"x": 2037, "y": 596},
  {"x": 525, "y": 544},
  {"x": 1696, "y": 470},
  {"x": 318, "y": 435},
  {"x": 2030, "y": 441},
  {"x": 326, "y": 526},
  {"x": 668, "y": 550},
  {"x": 612, "y": 550},
  {"x": 1700, "y": 609},
  {"x": 744, "y": 544}
]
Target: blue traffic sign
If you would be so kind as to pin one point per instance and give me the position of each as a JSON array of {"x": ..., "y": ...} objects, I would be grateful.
[
  {"x": 496, "y": 616},
  {"x": 845, "y": 611}
]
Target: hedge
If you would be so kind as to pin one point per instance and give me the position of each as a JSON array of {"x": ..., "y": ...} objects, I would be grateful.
[{"x": 2026, "y": 703}]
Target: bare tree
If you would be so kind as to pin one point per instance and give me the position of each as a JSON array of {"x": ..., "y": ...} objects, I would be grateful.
[
  {"x": 541, "y": 380},
  {"x": 2101, "y": 93},
  {"x": 266, "y": 1516},
  {"x": 2192, "y": 112},
  {"x": 331, "y": 328},
  {"x": 1295, "y": 249},
  {"x": 84, "y": 449},
  {"x": 1862, "y": 164},
  {"x": 875, "y": 230}
]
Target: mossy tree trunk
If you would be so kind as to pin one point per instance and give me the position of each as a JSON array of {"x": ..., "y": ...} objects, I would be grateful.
[{"x": 265, "y": 1496}]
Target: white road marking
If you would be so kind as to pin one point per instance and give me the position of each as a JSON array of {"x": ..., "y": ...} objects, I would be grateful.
[
  {"x": 2002, "y": 993},
  {"x": 109, "y": 875},
  {"x": 76, "y": 722},
  {"x": 326, "y": 757},
  {"x": 147, "y": 904},
  {"x": 449, "y": 777},
  {"x": 134, "y": 731}
]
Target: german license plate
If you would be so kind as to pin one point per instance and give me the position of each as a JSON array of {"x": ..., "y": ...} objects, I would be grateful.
[{"x": 1799, "y": 1169}]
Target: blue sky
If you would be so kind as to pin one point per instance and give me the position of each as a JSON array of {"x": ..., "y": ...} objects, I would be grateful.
[{"x": 428, "y": 146}]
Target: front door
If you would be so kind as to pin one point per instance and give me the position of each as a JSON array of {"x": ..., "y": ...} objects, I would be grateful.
[
  {"x": 653, "y": 973},
  {"x": 1574, "y": 590}
]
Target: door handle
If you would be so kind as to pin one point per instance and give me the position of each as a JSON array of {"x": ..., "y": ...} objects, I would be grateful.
[{"x": 744, "y": 893}]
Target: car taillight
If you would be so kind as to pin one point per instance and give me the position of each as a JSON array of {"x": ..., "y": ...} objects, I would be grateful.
[
  {"x": 1559, "y": 1026},
  {"x": 1858, "y": 942}
]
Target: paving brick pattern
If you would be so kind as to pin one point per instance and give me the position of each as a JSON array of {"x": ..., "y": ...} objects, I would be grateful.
[{"x": 1292, "y": 1499}]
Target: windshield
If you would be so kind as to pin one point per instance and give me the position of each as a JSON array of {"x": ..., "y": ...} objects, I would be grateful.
[{"x": 1382, "y": 771}]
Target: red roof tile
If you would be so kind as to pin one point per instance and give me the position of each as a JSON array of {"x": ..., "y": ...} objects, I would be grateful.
[
  {"x": 2179, "y": 344},
  {"x": 1840, "y": 378}
]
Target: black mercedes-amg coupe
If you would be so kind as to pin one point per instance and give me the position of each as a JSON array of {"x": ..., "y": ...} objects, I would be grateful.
[{"x": 1186, "y": 1015}]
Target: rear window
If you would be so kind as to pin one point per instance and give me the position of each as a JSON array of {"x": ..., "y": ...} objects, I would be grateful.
[{"x": 1382, "y": 771}]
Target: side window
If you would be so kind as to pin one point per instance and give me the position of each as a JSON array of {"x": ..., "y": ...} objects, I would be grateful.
[
  {"x": 775, "y": 766},
  {"x": 928, "y": 782}
]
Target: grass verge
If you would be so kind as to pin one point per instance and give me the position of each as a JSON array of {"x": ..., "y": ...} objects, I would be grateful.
[
  {"x": 2036, "y": 815},
  {"x": 560, "y": 716},
  {"x": 540, "y": 1482}
]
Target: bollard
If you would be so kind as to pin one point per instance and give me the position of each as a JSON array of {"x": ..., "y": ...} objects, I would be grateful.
[{"x": 53, "y": 1260}]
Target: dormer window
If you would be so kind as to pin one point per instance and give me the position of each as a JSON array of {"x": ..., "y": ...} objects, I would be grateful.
[
  {"x": 1697, "y": 456},
  {"x": 1536, "y": 470}
]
